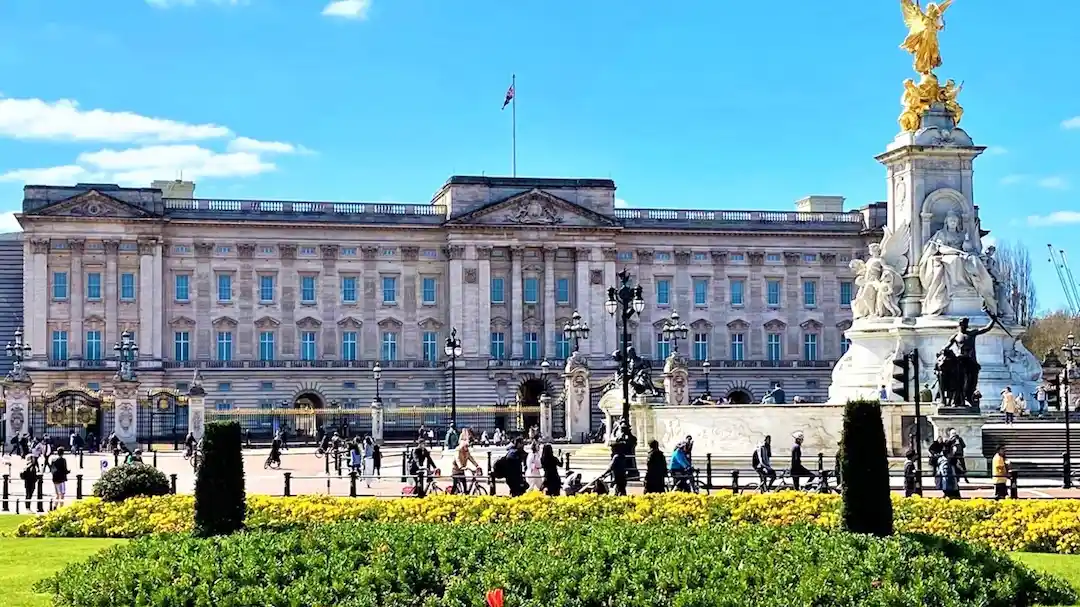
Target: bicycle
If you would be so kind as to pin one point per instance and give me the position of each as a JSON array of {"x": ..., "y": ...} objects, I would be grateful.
[
  {"x": 472, "y": 484},
  {"x": 272, "y": 462},
  {"x": 690, "y": 480},
  {"x": 431, "y": 487},
  {"x": 813, "y": 484},
  {"x": 194, "y": 456}
]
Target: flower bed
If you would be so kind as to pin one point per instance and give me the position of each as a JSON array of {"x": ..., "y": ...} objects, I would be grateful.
[
  {"x": 1030, "y": 525},
  {"x": 540, "y": 564}
]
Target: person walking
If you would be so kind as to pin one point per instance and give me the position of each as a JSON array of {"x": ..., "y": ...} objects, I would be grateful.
[
  {"x": 367, "y": 462},
  {"x": 762, "y": 463},
  {"x": 1000, "y": 469},
  {"x": 955, "y": 444},
  {"x": 512, "y": 467},
  {"x": 655, "y": 469},
  {"x": 950, "y": 484},
  {"x": 450, "y": 441},
  {"x": 797, "y": 468},
  {"x": 29, "y": 476},
  {"x": 376, "y": 459},
  {"x": 910, "y": 474},
  {"x": 533, "y": 469},
  {"x": 1040, "y": 401},
  {"x": 1009, "y": 406},
  {"x": 552, "y": 484},
  {"x": 59, "y": 470}
]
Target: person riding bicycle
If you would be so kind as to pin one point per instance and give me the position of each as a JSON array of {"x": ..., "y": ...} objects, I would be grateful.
[
  {"x": 114, "y": 443},
  {"x": 324, "y": 444},
  {"x": 797, "y": 468},
  {"x": 762, "y": 461},
  {"x": 189, "y": 444},
  {"x": 337, "y": 442},
  {"x": 460, "y": 465},
  {"x": 420, "y": 466},
  {"x": 681, "y": 470}
]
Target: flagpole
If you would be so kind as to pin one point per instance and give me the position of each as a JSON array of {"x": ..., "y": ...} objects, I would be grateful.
[{"x": 513, "y": 121}]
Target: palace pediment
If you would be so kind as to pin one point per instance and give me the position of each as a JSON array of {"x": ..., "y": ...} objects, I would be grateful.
[
  {"x": 92, "y": 204},
  {"x": 535, "y": 208}
]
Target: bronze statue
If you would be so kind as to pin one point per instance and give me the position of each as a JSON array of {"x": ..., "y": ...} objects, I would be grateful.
[
  {"x": 640, "y": 372},
  {"x": 966, "y": 376}
]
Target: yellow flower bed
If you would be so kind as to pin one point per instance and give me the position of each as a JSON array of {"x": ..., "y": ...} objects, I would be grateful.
[{"x": 1032, "y": 525}]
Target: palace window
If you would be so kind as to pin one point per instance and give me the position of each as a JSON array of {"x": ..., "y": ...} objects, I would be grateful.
[
  {"x": 348, "y": 345},
  {"x": 663, "y": 292},
  {"x": 348, "y": 289},
  {"x": 532, "y": 290},
  {"x": 498, "y": 291},
  {"x": 809, "y": 288},
  {"x": 772, "y": 257},
  {"x": 701, "y": 292},
  {"x": 663, "y": 347},
  {"x": 774, "y": 346},
  {"x": 181, "y": 282},
  {"x": 127, "y": 286},
  {"x": 93, "y": 286},
  {"x": 498, "y": 345},
  {"x": 562, "y": 291},
  {"x": 701, "y": 346},
  {"x": 389, "y": 345},
  {"x": 224, "y": 287},
  {"x": 737, "y": 342},
  {"x": 182, "y": 346},
  {"x": 389, "y": 289},
  {"x": 60, "y": 285},
  {"x": 429, "y": 289},
  {"x": 737, "y": 286},
  {"x": 532, "y": 346},
  {"x": 772, "y": 293},
  {"x": 562, "y": 345},
  {"x": 267, "y": 350},
  {"x": 266, "y": 290},
  {"x": 225, "y": 345},
  {"x": 59, "y": 345},
  {"x": 846, "y": 288},
  {"x": 810, "y": 349},
  {"x": 431, "y": 346},
  {"x": 307, "y": 289},
  {"x": 308, "y": 341},
  {"x": 93, "y": 345}
]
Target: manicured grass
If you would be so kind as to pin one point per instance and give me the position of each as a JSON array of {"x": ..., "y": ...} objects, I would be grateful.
[{"x": 24, "y": 561}]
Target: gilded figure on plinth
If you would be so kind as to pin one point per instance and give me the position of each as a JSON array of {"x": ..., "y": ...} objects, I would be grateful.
[
  {"x": 918, "y": 98},
  {"x": 923, "y": 28}
]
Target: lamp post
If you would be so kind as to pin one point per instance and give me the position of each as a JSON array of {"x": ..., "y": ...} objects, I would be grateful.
[
  {"x": 626, "y": 301},
  {"x": 126, "y": 352},
  {"x": 674, "y": 330},
  {"x": 706, "y": 366},
  {"x": 1071, "y": 349},
  {"x": 18, "y": 352},
  {"x": 453, "y": 350},
  {"x": 376, "y": 372},
  {"x": 576, "y": 329}
]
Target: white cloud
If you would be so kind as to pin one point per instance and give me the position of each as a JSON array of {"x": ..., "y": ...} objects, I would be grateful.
[
  {"x": 8, "y": 223},
  {"x": 1057, "y": 218},
  {"x": 140, "y": 166},
  {"x": 63, "y": 120},
  {"x": 1071, "y": 123},
  {"x": 247, "y": 144},
  {"x": 69, "y": 173},
  {"x": 1013, "y": 179},
  {"x": 989, "y": 241},
  {"x": 621, "y": 204},
  {"x": 996, "y": 150},
  {"x": 347, "y": 9},
  {"x": 1053, "y": 183}
]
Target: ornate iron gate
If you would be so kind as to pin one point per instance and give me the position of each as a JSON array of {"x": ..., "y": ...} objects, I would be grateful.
[
  {"x": 58, "y": 413},
  {"x": 162, "y": 418}
]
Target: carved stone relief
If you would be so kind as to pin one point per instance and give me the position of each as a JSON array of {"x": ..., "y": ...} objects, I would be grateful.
[
  {"x": 470, "y": 275},
  {"x": 596, "y": 277}
]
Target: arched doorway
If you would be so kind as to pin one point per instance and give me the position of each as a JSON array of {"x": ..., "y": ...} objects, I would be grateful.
[
  {"x": 739, "y": 396},
  {"x": 310, "y": 417},
  {"x": 528, "y": 399}
]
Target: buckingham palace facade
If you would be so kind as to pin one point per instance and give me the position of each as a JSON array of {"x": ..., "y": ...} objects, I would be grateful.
[{"x": 277, "y": 300}]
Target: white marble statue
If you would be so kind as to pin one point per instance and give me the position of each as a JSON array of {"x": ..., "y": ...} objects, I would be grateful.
[
  {"x": 950, "y": 263},
  {"x": 1001, "y": 294},
  {"x": 880, "y": 279}
]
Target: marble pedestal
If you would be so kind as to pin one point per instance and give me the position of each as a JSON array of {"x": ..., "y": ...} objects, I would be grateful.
[{"x": 876, "y": 343}]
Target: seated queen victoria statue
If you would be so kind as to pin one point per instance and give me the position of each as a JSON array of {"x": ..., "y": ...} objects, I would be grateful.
[{"x": 951, "y": 266}]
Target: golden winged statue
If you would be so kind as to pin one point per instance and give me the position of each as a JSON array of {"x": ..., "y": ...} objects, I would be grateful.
[{"x": 923, "y": 28}]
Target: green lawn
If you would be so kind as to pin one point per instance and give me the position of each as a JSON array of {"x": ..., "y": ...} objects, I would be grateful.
[{"x": 24, "y": 561}]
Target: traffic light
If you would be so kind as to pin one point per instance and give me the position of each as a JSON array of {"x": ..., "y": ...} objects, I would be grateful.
[
  {"x": 1053, "y": 392},
  {"x": 902, "y": 375}
]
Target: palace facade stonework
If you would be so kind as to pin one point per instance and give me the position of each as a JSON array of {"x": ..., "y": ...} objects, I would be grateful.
[{"x": 276, "y": 299}]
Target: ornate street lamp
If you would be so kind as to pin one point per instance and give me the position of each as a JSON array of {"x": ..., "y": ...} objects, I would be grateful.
[
  {"x": 376, "y": 372},
  {"x": 18, "y": 352},
  {"x": 453, "y": 350},
  {"x": 126, "y": 352},
  {"x": 674, "y": 331},
  {"x": 626, "y": 301},
  {"x": 545, "y": 367},
  {"x": 706, "y": 366},
  {"x": 576, "y": 329},
  {"x": 1071, "y": 349}
]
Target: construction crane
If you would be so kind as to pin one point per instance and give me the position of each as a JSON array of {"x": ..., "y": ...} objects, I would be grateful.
[{"x": 1061, "y": 265}]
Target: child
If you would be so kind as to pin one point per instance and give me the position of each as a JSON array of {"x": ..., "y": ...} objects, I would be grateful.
[{"x": 909, "y": 474}]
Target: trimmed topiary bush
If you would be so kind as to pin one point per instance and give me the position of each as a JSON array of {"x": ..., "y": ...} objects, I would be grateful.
[
  {"x": 220, "y": 505},
  {"x": 864, "y": 468},
  {"x": 131, "y": 480},
  {"x": 571, "y": 564}
]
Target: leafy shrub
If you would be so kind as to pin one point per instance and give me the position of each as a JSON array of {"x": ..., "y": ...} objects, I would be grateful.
[
  {"x": 219, "y": 482},
  {"x": 1009, "y": 525},
  {"x": 131, "y": 480},
  {"x": 585, "y": 565},
  {"x": 864, "y": 466}
]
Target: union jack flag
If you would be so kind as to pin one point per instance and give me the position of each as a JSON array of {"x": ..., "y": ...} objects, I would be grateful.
[{"x": 509, "y": 97}]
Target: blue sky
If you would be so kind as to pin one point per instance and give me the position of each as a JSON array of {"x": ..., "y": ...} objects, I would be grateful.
[{"x": 693, "y": 104}]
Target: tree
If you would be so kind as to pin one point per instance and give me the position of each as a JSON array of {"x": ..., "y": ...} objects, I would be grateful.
[
  {"x": 220, "y": 501},
  {"x": 1014, "y": 271},
  {"x": 1049, "y": 332},
  {"x": 864, "y": 468}
]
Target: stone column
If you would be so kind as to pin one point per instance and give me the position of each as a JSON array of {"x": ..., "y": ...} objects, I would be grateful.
[
  {"x": 201, "y": 294},
  {"x": 683, "y": 300},
  {"x": 197, "y": 407},
  {"x": 146, "y": 304},
  {"x": 247, "y": 293},
  {"x": 77, "y": 296},
  {"x": 483, "y": 323},
  {"x": 550, "y": 253},
  {"x": 517, "y": 297},
  {"x": 377, "y": 420},
  {"x": 676, "y": 379},
  {"x": 576, "y": 391},
  {"x": 371, "y": 340},
  {"x": 609, "y": 332},
  {"x": 581, "y": 293},
  {"x": 545, "y": 417},
  {"x": 125, "y": 409},
  {"x": 648, "y": 288},
  {"x": 411, "y": 297},
  {"x": 329, "y": 295},
  {"x": 456, "y": 253},
  {"x": 156, "y": 302},
  {"x": 36, "y": 297},
  {"x": 112, "y": 280},
  {"x": 17, "y": 398},
  {"x": 793, "y": 306}
]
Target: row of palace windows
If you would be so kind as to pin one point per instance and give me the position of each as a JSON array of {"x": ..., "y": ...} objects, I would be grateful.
[
  {"x": 309, "y": 289},
  {"x": 61, "y": 287},
  {"x": 268, "y": 347}
]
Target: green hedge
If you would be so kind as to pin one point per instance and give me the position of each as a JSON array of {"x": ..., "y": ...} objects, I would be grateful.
[
  {"x": 867, "y": 504},
  {"x": 220, "y": 505},
  {"x": 551, "y": 565},
  {"x": 131, "y": 480}
]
